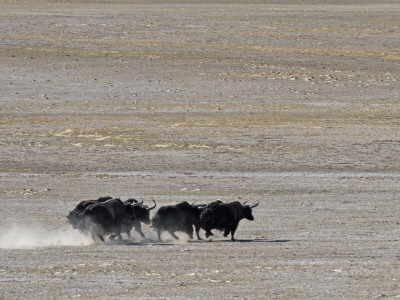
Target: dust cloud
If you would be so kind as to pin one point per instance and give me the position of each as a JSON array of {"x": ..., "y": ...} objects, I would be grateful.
[
  {"x": 36, "y": 236},
  {"x": 29, "y": 237}
]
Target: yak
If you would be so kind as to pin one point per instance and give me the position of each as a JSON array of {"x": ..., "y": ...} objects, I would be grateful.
[
  {"x": 100, "y": 219},
  {"x": 225, "y": 217},
  {"x": 179, "y": 217},
  {"x": 74, "y": 217},
  {"x": 142, "y": 213}
]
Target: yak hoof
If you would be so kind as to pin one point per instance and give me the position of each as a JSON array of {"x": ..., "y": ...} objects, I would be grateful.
[{"x": 208, "y": 234}]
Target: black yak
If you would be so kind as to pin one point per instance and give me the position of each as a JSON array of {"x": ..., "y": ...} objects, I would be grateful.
[
  {"x": 103, "y": 218},
  {"x": 179, "y": 217},
  {"x": 225, "y": 217},
  {"x": 142, "y": 213}
]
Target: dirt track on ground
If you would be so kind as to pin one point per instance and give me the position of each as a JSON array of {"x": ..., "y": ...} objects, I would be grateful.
[{"x": 294, "y": 105}]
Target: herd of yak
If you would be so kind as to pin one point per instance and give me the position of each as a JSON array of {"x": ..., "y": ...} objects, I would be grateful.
[{"x": 110, "y": 217}]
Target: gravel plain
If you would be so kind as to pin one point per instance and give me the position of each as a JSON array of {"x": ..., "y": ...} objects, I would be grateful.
[{"x": 294, "y": 104}]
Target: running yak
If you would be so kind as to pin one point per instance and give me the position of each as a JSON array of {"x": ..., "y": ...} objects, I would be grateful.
[
  {"x": 101, "y": 218},
  {"x": 225, "y": 216},
  {"x": 179, "y": 217},
  {"x": 142, "y": 213}
]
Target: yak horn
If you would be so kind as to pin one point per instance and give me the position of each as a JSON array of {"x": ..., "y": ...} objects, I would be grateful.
[
  {"x": 203, "y": 207},
  {"x": 254, "y": 205},
  {"x": 155, "y": 204}
]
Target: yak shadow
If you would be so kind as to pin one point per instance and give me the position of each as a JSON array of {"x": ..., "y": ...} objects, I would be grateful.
[
  {"x": 257, "y": 240},
  {"x": 146, "y": 242},
  {"x": 263, "y": 241}
]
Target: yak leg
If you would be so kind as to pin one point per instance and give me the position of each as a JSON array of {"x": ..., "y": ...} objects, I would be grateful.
[
  {"x": 233, "y": 229},
  {"x": 96, "y": 236},
  {"x": 117, "y": 233},
  {"x": 159, "y": 234},
  {"x": 189, "y": 230},
  {"x": 190, "y": 233},
  {"x": 173, "y": 235},
  {"x": 208, "y": 232},
  {"x": 113, "y": 236},
  {"x": 138, "y": 228},
  {"x": 226, "y": 232},
  {"x": 207, "y": 229},
  {"x": 197, "y": 229}
]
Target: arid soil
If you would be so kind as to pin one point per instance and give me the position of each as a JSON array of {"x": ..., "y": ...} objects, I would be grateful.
[{"x": 295, "y": 104}]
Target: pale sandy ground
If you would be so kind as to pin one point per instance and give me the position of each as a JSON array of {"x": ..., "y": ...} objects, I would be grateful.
[{"x": 294, "y": 105}]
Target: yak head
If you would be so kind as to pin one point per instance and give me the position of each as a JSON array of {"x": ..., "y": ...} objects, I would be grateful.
[
  {"x": 248, "y": 212},
  {"x": 141, "y": 211}
]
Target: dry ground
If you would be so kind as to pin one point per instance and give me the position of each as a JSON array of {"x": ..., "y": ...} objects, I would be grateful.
[{"x": 296, "y": 105}]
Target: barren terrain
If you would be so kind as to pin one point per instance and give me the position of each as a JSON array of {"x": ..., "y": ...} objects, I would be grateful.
[{"x": 296, "y": 105}]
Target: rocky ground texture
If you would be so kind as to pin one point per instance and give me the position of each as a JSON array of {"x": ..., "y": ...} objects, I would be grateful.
[{"x": 296, "y": 105}]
